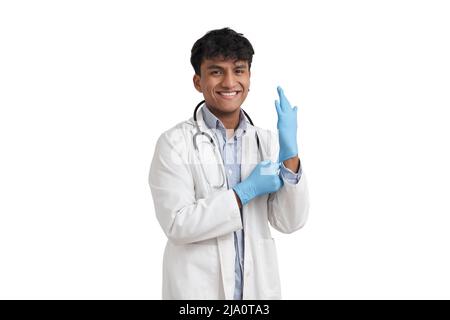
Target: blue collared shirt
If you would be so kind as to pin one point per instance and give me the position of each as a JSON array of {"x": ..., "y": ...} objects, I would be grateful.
[{"x": 230, "y": 150}]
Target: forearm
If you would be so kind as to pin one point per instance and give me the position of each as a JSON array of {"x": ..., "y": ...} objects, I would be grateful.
[
  {"x": 292, "y": 164},
  {"x": 204, "y": 219}
]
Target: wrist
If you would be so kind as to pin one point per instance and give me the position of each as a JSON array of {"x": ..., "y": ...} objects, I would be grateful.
[
  {"x": 244, "y": 192},
  {"x": 239, "y": 191},
  {"x": 288, "y": 148},
  {"x": 292, "y": 164}
]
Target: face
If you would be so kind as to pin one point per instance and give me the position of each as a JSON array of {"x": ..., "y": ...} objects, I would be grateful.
[{"x": 224, "y": 84}]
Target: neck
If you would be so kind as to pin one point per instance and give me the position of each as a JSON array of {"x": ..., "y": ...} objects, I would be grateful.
[{"x": 230, "y": 120}]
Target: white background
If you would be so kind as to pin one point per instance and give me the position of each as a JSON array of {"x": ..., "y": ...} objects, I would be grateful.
[{"x": 86, "y": 88}]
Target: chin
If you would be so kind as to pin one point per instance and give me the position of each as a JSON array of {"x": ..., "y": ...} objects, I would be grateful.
[{"x": 230, "y": 106}]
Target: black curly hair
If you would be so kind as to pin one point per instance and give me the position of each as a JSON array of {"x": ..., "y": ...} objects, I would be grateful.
[{"x": 225, "y": 43}]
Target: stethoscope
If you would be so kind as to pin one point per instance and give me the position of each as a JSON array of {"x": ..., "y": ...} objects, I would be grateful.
[{"x": 211, "y": 140}]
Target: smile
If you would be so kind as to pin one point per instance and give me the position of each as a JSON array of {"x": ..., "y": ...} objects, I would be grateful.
[{"x": 228, "y": 94}]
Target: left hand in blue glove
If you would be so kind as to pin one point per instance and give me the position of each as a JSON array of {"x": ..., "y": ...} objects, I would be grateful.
[
  {"x": 287, "y": 127},
  {"x": 263, "y": 179}
]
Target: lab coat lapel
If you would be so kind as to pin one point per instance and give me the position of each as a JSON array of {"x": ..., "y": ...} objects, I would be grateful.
[
  {"x": 249, "y": 157},
  {"x": 211, "y": 160},
  {"x": 225, "y": 243}
]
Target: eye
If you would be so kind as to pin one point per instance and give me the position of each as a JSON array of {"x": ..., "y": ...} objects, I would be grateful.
[
  {"x": 216, "y": 72},
  {"x": 240, "y": 71}
]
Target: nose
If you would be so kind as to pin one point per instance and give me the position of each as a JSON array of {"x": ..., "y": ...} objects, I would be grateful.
[{"x": 229, "y": 80}]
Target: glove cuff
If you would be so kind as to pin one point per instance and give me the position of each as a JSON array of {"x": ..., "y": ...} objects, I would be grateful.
[
  {"x": 243, "y": 192},
  {"x": 287, "y": 155}
]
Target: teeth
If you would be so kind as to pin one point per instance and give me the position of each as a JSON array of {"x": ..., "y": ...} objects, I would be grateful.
[{"x": 228, "y": 93}]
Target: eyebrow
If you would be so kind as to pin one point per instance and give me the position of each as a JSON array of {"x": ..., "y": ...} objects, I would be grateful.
[
  {"x": 241, "y": 66},
  {"x": 215, "y": 66}
]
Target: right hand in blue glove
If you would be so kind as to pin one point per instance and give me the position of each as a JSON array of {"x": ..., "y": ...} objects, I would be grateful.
[
  {"x": 287, "y": 127},
  {"x": 263, "y": 179}
]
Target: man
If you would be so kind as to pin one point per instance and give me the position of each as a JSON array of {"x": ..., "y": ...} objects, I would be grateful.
[{"x": 216, "y": 213}]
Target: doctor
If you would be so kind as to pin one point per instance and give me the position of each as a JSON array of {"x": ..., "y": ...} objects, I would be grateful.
[{"x": 217, "y": 182}]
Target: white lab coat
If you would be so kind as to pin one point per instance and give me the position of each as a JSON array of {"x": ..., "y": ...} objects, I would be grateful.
[{"x": 199, "y": 220}]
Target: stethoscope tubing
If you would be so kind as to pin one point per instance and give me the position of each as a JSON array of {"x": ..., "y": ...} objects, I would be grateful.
[{"x": 211, "y": 140}]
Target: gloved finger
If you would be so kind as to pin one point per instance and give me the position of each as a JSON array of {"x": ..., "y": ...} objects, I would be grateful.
[
  {"x": 278, "y": 169},
  {"x": 283, "y": 100},
  {"x": 277, "y": 106},
  {"x": 280, "y": 95},
  {"x": 275, "y": 167},
  {"x": 268, "y": 167},
  {"x": 266, "y": 170}
]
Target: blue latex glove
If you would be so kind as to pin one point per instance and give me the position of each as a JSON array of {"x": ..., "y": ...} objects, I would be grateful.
[
  {"x": 287, "y": 127},
  {"x": 263, "y": 179}
]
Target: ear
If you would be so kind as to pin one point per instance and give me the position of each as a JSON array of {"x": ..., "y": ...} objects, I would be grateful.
[{"x": 196, "y": 81}]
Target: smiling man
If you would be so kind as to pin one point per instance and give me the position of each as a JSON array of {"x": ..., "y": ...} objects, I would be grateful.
[
  {"x": 225, "y": 84},
  {"x": 216, "y": 214}
]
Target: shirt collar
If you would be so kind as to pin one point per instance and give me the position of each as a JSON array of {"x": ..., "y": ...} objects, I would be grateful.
[{"x": 212, "y": 122}]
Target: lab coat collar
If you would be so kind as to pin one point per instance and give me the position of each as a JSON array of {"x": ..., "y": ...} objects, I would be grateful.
[
  {"x": 212, "y": 122},
  {"x": 249, "y": 129}
]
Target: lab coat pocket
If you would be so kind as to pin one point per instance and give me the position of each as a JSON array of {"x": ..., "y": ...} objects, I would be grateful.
[
  {"x": 268, "y": 274},
  {"x": 197, "y": 270}
]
